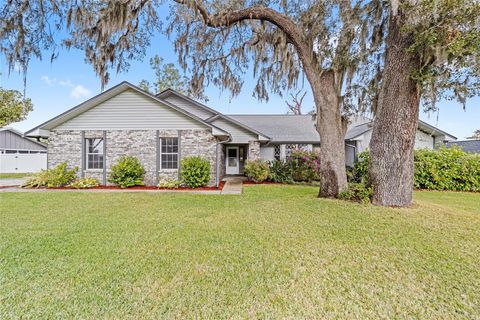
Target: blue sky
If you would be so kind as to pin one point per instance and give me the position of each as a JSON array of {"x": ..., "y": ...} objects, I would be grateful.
[{"x": 56, "y": 87}]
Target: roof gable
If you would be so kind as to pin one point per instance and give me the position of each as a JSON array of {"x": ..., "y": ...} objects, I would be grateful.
[{"x": 124, "y": 106}]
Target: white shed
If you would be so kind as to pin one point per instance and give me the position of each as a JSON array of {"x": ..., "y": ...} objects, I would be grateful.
[{"x": 20, "y": 154}]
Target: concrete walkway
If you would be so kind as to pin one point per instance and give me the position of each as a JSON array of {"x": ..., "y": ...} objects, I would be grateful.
[
  {"x": 12, "y": 181},
  {"x": 233, "y": 185}
]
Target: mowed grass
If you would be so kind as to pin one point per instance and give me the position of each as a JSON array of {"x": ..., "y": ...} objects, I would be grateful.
[
  {"x": 15, "y": 175},
  {"x": 274, "y": 252}
]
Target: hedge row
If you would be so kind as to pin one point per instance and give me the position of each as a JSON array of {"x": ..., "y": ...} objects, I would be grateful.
[{"x": 439, "y": 169}]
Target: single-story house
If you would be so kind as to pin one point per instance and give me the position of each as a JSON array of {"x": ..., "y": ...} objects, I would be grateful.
[
  {"x": 472, "y": 146},
  {"x": 162, "y": 129},
  {"x": 19, "y": 153}
]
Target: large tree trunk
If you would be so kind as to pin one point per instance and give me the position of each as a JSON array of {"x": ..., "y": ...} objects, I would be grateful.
[
  {"x": 395, "y": 125},
  {"x": 332, "y": 128}
]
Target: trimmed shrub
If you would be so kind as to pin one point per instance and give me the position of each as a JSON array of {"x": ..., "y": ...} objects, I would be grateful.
[
  {"x": 83, "y": 183},
  {"x": 280, "y": 171},
  {"x": 195, "y": 171},
  {"x": 447, "y": 169},
  {"x": 357, "y": 192},
  {"x": 304, "y": 165},
  {"x": 169, "y": 183},
  {"x": 256, "y": 170},
  {"x": 127, "y": 172},
  {"x": 439, "y": 169},
  {"x": 52, "y": 178}
]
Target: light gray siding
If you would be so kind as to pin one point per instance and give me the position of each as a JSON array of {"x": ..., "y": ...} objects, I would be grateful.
[
  {"x": 11, "y": 140},
  {"x": 238, "y": 134},
  {"x": 266, "y": 153},
  {"x": 423, "y": 140},
  {"x": 131, "y": 110},
  {"x": 189, "y": 107}
]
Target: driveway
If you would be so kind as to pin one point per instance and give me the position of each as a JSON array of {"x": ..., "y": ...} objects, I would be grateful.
[{"x": 12, "y": 181}]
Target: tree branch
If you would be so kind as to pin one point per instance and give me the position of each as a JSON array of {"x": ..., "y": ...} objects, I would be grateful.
[{"x": 284, "y": 23}]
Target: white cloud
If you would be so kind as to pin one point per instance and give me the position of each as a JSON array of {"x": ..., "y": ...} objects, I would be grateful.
[
  {"x": 50, "y": 81},
  {"x": 66, "y": 83},
  {"x": 77, "y": 90},
  {"x": 80, "y": 92}
]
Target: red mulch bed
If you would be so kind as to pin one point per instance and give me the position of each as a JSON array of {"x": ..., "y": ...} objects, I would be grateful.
[{"x": 220, "y": 187}]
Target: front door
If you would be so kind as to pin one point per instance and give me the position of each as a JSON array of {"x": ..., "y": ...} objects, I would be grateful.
[{"x": 232, "y": 161}]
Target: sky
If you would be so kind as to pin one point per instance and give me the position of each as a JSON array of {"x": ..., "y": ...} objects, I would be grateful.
[{"x": 57, "y": 86}]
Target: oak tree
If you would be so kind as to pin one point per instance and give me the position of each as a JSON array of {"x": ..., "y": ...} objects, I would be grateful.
[
  {"x": 432, "y": 53},
  {"x": 332, "y": 44}
]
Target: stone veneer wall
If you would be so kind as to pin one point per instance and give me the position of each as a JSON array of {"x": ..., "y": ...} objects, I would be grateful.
[
  {"x": 66, "y": 146},
  {"x": 200, "y": 143},
  {"x": 253, "y": 150}
]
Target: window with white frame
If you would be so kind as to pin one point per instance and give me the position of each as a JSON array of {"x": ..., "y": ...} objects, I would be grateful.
[
  {"x": 277, "y": 152},
  {"x": 94, "y": 153},
  {"x": 169, "y": 153}
]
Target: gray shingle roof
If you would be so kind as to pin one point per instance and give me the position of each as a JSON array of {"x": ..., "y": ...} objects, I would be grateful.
[
  {"x": 467, "y": 145},
  {"x": 282, "y": 128},
  {"x": 356, "y": 131},
  {"x": 292, "y": 128}
]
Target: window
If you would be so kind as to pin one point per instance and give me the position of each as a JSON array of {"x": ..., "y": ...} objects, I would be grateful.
[
  {"x": 94, "y": 149},
  {"x": 289, "y": 148},
  {"x": 277, "y": 152},
  {"x": 169, "y": 153}
]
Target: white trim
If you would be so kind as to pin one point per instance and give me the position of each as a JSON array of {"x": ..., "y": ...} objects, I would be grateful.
[{"x": 234, "y": 170}]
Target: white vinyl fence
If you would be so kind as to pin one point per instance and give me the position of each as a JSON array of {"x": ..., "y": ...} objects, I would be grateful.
[{"x": 22, "y": 162}]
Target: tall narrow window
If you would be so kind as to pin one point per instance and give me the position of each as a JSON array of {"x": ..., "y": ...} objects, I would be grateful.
[
  {"x": 169, "y": 153},
  {"x": 94, "y": 156},
  {"x": 277, "y": 152}
]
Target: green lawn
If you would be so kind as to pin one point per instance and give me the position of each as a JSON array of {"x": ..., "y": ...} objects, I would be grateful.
[
  {"x": 274, "y": 252},
  {"x": 14, "y": 175}
]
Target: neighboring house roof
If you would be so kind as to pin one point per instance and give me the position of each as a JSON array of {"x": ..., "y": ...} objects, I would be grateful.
[
  {"x": 11, "y": 138},
  {"x": 282, "y": 128},
  {"x": 466, "y": 145},
  {"x": 434, "y": 131},
  {"x": 358, "y": 130},
  {"x": 43, "y": 129}
]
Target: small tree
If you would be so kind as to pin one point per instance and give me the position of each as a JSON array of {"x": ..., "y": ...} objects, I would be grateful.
[
  {"x": 168, "y": 76},
  {"x": 476, "y": 135},
  {"x": 295, "y": 106},
  {"x": 13, "y": 108}
]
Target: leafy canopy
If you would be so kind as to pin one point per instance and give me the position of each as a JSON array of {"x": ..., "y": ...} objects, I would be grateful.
[
  {"x": 168, "y": 76},
  {"x": 13, "y": 108}
]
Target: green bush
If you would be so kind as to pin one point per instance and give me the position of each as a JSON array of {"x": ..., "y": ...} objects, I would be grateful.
[
  {"x": 304, "y": 165},
  {"x": 169, "y": 183},
  {"x": 52, "y": 178},
  {"x": 195, "y": 171},
  {"x": 447, "y": 169},
  {"x": 127, "y": 172},
  {"x": 83, "y": 183},
  {"x": 256, "y": 170},
  {"x": 436, "y": 169},
  {"x": 360, "y": 168},
  {"x": 280, "y": 171},
  {"x": 357, "y": 192}
]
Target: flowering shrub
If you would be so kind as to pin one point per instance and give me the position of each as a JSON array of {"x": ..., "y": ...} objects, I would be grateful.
[{"x": 305, "y": 165}]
